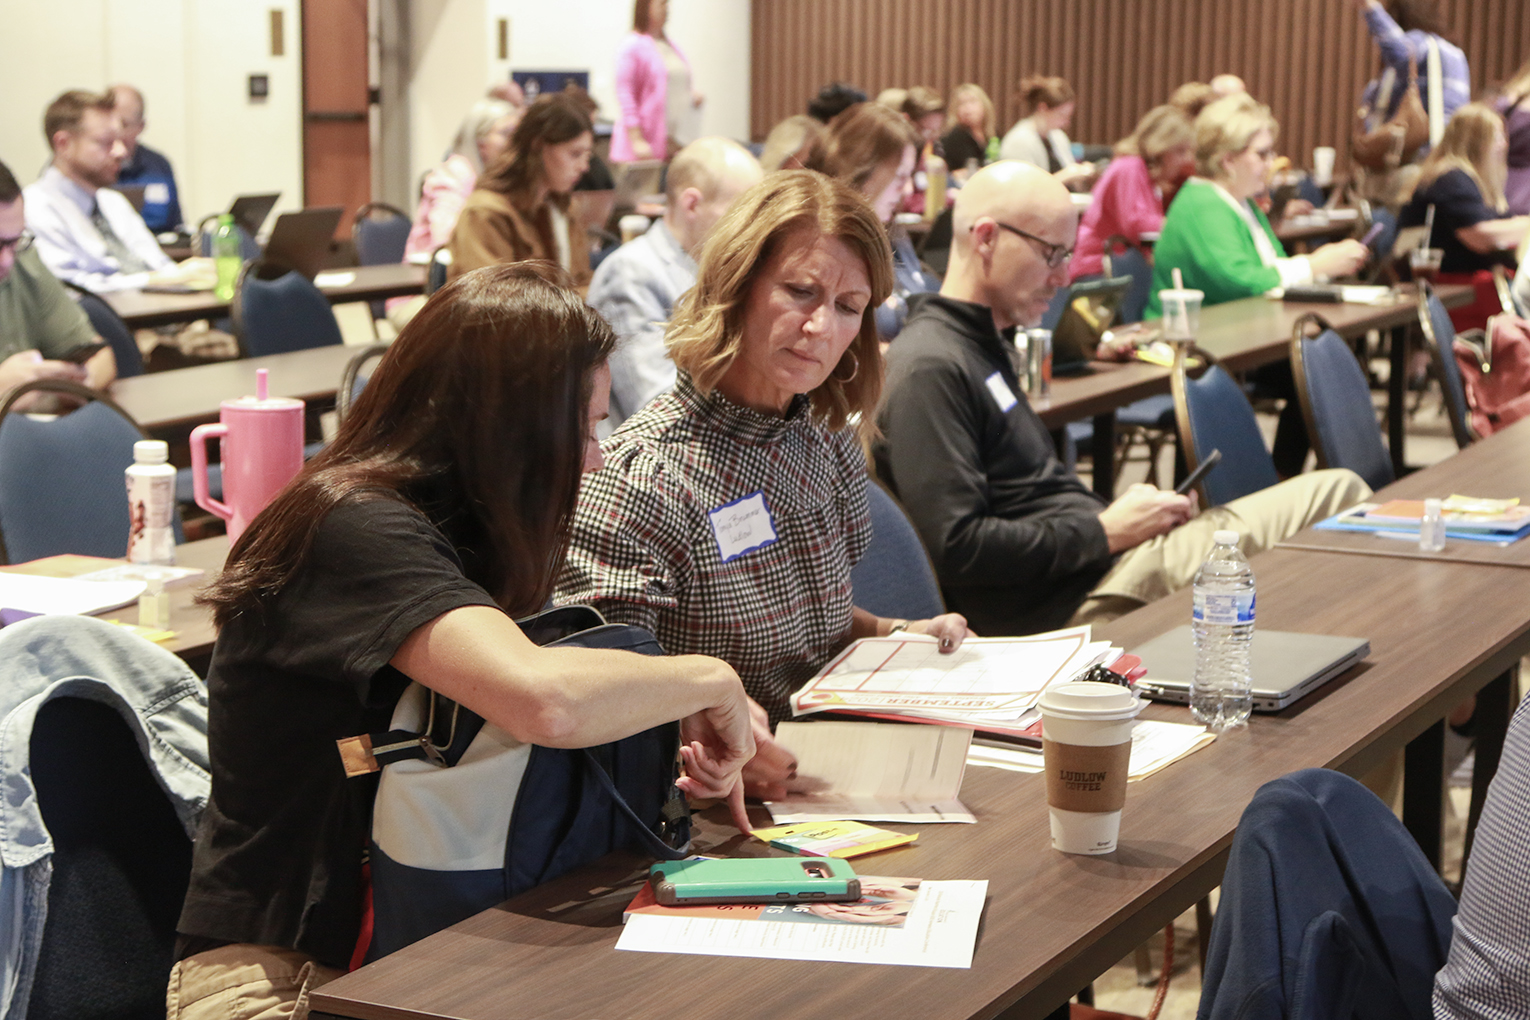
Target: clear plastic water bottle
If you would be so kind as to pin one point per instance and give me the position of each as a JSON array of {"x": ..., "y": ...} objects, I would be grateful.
[
  {"x": 226, "y": 257},
  {"x": 1223, "y": 622}
]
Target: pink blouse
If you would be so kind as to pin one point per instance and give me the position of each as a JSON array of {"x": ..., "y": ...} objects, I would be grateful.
[
  {"x": 642, "y": 82},
  {"x": 1126, "y": 202}
]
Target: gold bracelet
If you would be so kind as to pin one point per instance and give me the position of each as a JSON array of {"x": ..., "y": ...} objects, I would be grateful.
[{"x": 897, "y": 626}]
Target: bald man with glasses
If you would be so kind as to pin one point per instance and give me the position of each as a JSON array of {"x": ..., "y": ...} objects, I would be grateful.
[
  {"x": 41, "y": 327},
  {"x": 1019, "y": 543}
]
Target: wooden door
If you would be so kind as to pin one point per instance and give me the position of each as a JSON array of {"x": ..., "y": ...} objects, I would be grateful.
[{"x": 337, "y": 168}]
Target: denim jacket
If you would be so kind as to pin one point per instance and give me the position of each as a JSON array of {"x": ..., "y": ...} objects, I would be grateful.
[{"x": 163, "y": 702}]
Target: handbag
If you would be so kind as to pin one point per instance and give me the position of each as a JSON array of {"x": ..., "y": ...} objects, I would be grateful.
[
  {"x": 1495, "y": 373},
  {"x": 1390, "y": 145},
  {"x": 448, "y": 843}
]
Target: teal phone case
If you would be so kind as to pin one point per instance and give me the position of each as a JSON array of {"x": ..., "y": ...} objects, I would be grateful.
[{"x": 754, "y": 880}]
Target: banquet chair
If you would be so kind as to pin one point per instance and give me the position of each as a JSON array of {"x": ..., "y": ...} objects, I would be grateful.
[
  {"x": 1336, "y": 404},
  {"x": 281, "y": 315},
  {"x": 61, "y": 476},
  {"x": 1440, "y": 336},
  {"x": 110, "y": 328},
  {"x": 1214, "y": 414},
  {"x": 894, "y": 578}
]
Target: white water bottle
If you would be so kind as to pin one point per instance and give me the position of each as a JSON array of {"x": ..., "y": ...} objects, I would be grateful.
[
  {"x": 151, "y": 503},
  {"x": 1221, "y": 693}
]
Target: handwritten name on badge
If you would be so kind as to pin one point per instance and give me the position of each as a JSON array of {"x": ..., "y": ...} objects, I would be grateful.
[
  {"x": 1002, "y": 394},
  {"x": 742, "y": 526}
]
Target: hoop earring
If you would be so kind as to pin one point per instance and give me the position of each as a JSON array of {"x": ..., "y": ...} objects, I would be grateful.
[{"x": 856, "y": 370}]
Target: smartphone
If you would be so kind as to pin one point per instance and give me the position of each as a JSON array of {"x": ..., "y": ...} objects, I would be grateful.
[
  {"x": 754, "y": 880},
  {"x": 1206, "y": 465},
  {"x": 83, "y": 353}
]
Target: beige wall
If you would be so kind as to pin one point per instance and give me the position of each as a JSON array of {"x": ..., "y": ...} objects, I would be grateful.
[
  {"x": 191, "y": 59},
  {"x": 448, "y": 73}
]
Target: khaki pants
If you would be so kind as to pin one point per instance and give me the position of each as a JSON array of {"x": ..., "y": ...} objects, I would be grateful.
[
  {"x": 1168, "y": 563},
  {"x": 244, "y": 982}
]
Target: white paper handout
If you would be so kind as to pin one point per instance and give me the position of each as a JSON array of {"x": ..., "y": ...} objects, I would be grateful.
[
  {"x": 64, "y": 595},
  {"x": 940, "y": 931},
  {"x": 988, "y": 681},
  {"x": 874, "y": 772}
]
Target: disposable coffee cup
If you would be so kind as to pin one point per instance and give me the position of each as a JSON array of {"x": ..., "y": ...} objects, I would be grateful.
[
  {"x": 632, "y": 225},
  {"x": 1181, "y": 312},
  {"x": 1086, "y": 742},
  {"x": 1322, "y": 165}
]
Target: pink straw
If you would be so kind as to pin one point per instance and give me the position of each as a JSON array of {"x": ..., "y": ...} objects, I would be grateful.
[{"x": 260, "y": 383}]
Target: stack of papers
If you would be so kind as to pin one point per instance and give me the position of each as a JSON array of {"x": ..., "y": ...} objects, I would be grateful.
[
  {"x": 1155, "y": 746},
  {"x": 875, "y": 772},
  {"x": 1466, "y": 517},
  {"x": 989, "y": 684},
  {"x": 64, "y": 595}
]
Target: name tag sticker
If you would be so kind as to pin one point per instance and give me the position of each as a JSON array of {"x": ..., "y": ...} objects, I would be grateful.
[
  {"x": 742, "y": 526},
  {"x": 1002, "y": 394},
  {"x": 157, "y": 193}
]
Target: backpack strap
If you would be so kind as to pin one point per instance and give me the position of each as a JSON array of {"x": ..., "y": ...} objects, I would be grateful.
[{"x": 675, "y": 811}]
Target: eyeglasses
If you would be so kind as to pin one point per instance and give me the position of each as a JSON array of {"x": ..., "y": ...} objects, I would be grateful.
[
  {"x": 18, "y": 244},
  {"x": 1056, "y": 255}
]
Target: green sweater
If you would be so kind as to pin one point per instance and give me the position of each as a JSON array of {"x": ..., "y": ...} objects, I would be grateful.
[{"x": 1211, "y": 246}]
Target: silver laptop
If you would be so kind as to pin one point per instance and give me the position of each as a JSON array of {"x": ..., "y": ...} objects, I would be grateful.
[
  {"x": 1285, "y": 665},
  {"x": 300, "y": 240}
]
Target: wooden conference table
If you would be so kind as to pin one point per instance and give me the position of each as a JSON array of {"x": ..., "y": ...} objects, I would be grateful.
[
  {"x": 1497, "y": 467},
  {"x": 1242, "y": 335},
  {"x": 168, "y": 403},
  {"x": 1052, "y": 922},
  {"x": 140, "y": 309}
]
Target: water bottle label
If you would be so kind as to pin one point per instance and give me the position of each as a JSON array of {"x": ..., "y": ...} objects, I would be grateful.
[{"x": 1228, "y": 608}]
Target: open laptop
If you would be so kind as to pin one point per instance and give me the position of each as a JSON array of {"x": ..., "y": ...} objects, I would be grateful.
[
  {"x": 1285, "y": 665},
  {"x": 300, "y": 240},
  {"x": 636, "y": 181},
  {"x": 1092, "y": 307},
  {"x": 250, "y": 211}
]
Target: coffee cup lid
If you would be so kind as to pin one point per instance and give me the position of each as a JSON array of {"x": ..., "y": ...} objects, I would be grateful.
[
  {"x": 1170, "y": 294},
  {"x": 1090, "y": 700}
]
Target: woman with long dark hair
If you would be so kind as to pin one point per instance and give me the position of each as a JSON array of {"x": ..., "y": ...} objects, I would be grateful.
[
  {"x": 519, "y": 210},
  {"x": 402, "y": 553}
]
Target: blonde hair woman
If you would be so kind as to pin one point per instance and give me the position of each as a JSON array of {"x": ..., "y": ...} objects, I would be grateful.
[
  {"x": 1130, "y": 198},
  {"x": 794, "y": 143},
  {"x": 970, "y": 129},
  {"x": 1463, "y": 179},
  {"x": 1221, "y": 242},
  {"x": 1215, "y": 235},
  {"x": 731, "y": 510}
]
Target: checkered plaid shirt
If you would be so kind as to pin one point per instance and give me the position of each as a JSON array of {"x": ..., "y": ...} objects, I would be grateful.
[
  {"x": 1487, "y": 976},
  {"x": 644, "y": 549}
]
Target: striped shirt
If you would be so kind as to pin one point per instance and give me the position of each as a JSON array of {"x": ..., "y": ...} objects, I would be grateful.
[{"x": 675, "y": 534}]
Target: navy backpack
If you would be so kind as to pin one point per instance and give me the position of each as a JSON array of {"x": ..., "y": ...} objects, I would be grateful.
[{"x": 447, "y": 839}]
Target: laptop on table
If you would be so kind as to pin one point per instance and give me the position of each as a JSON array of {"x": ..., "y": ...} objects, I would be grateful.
[
  {"x": 1285, "y": 665},
  {"x": 1092, "y": 307},
  {"x": 250, "y": 211},
  {"x": 300, "y": 240}
]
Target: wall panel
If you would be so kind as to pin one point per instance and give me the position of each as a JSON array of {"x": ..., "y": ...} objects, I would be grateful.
[{"x": 1307, "y": 58}]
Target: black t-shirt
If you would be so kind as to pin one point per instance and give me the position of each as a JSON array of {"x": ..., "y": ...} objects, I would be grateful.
[
  {"x": 278, "y": 855},
  {"x": 1457, "y": 203},
  {"x": 960, "y": 146}
]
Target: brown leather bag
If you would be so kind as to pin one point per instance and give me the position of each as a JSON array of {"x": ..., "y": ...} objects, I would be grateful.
[{"x": 1390, "y": 145}]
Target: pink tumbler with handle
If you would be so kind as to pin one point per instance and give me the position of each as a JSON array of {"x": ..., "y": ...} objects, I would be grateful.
[{"x": 262, "y": 451}]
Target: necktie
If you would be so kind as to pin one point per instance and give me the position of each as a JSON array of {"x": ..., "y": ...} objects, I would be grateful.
[{"x": 126, "y": 260}]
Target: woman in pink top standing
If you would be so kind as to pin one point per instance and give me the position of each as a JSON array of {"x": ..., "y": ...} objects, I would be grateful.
[
  {"x": 654, "y": 98},
  {"x": 1131, "y": 197}
]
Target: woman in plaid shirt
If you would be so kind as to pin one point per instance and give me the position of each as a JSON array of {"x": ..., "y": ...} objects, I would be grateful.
[{"x": 730, "y": 511}]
